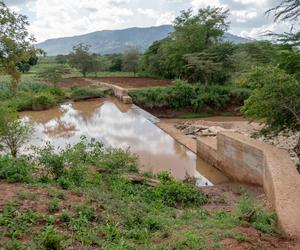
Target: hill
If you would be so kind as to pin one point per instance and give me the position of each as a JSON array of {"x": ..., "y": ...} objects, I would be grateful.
[{"x": 116, "y": 41}]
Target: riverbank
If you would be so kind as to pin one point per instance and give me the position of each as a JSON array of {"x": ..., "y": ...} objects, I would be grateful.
[{"x": 98, "y": 200}]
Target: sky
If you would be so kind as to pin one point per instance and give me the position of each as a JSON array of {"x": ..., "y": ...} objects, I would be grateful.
[{"x": 61, "y": 18}]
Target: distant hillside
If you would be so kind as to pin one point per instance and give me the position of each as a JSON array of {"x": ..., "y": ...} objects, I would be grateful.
[{"x": 116, "y": 41}]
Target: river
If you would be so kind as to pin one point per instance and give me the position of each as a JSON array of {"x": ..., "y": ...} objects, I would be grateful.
[{"x": 122, "y": 126}]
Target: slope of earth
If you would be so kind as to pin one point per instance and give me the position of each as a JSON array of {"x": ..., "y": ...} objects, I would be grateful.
[{"x": 48, "y": 217}]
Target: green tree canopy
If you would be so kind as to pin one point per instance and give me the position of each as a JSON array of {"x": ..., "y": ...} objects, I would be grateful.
[
  {"x": 81, "y": 59},
  {"x": 275, "y": 99},
  {"x": 131, "y": 60},
  {"x": 54, "y": 74},
  {"x": 15, "y": 44},
  {"x": 193, "y": 33}
]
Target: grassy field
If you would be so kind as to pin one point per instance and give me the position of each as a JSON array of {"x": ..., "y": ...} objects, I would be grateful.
[
  {"x": 84, "y": 198},
  {"x": 33, "y": 94}
]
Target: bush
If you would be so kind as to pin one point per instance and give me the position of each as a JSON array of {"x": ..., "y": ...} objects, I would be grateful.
[
  {"x": 184, "y": 95},
  {"x": 118, "y": 160},
  {"x": 53, "y": 162},
  {"x": 15, "y": 170},
  {"x": 42, "y": 101},
  {"x": 76, "y": 92},
  {"x": 51, "y": 239},
  {"x": 173, "y": 193}
]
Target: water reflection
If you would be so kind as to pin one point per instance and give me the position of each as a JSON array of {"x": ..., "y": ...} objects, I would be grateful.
[{"x": 117, "y": 125}]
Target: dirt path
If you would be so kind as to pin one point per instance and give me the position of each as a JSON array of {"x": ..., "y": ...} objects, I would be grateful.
[{"x": 125, "y": 82}]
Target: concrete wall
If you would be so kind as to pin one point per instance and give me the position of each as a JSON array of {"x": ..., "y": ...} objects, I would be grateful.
[
  {"x": 253, "y": 162},
  {"x": 119, "y": 92}
]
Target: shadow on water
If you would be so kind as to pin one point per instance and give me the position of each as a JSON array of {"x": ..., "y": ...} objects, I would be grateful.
[{"x": 117, "y": 125}]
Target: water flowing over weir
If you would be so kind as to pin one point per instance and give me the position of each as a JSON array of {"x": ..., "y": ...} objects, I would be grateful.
[{"x": 119, "y": 125}]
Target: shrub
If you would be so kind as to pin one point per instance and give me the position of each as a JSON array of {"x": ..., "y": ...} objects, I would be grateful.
[
  {"x": 53, "y": 206},
  {"x": 173, "y": 193},
  {"x": 51, "y": 239},
  {"x": 42, "y": 101},
  {"x": 88, "y": 92},
  {"x": 118, "y": 160},
  {"x": 15, "y": 170},
  {"x": 185, "y": 95},
  {"x": 53, "y": 162}
]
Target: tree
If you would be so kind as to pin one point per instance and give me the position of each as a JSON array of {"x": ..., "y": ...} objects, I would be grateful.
[
  {"x": 54, "y": 74},
  {"x": 116, "y": 62},
  {"x": 204, "y": 64},
  {"x": 14, "y": 133},
  {"x": 287, "y": 10},
  {"x": 15, "y": 44},
  {"x": 131, "y": 60},
  {"x": 96, "y": 64},
  {"x": 24, "y": 66},
  {"x": 81, "y": 58},
  {"x": 192, "y": 34},
  {"x": 61, "y": 59},
  {"x": 275, "y": 99}
]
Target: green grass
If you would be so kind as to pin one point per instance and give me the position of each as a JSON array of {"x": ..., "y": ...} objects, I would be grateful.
[
  {"x": 35, "y": 95},
  {"x": 107, "y": 211}
]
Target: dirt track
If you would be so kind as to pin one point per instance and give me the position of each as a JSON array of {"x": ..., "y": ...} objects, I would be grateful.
[
  {"x": 125, "y": 82},
  {"x": 134, "y": 82}
]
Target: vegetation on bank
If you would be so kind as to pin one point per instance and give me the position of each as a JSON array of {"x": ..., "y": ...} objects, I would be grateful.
[
  {"x": 35, "y": 95},
  {"x": 184, "y": 95},
  {"x": 80, "y": 198}
]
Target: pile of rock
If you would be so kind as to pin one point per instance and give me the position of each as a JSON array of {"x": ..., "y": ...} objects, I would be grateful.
[{"x": 200, "y": 130}]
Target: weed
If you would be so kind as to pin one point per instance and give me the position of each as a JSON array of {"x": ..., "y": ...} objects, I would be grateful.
[
  {"x": 15, "y": 170},
  {"x": 26, "y": 195},
  {"x": 53, "y": 206},
  {"x": 51, "y": 239}
]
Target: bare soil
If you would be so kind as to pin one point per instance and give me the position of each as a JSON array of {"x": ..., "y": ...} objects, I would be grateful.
[{"x": 134, "y": 82}]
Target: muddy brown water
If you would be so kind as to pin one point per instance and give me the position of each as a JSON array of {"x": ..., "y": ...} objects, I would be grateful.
[{"x": 119, "y": 125}]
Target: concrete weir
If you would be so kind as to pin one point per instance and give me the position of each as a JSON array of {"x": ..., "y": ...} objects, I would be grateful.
[
  {"x": 254, "y": 162},
  {"x": 119, "y": 92}
]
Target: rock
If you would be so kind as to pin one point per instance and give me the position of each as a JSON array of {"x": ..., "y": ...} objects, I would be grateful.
[
  {"x": 189, "y": 130},
  {"x": 127, "y": 99}
]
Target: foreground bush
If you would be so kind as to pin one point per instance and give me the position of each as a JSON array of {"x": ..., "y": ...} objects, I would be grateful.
[{"x": 16, "y": 170}]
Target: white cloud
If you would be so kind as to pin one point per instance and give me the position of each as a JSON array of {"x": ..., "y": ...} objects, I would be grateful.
[
  {"x": 58, "y": 18},
  {"x": 260, "y": 32},
  {"x": 159, "y": 17},
  {"x": 243, "y": 16}
]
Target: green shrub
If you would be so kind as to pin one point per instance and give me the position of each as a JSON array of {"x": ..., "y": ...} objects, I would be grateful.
[
  {"x": 194, "y": 96},
  {"x": 16, "y": 170},
  {"x": 118, "y": 160},
  {"x": 53, "y": 206},
  {"x": 51, "y": 239},
  {"x": 173, "y": 193},
  {"x": 42, "y": 101},
  {"x": 53, "y": 162},
  {"x": 76, "y": 92},
  {"x": 88, "y": 212}
]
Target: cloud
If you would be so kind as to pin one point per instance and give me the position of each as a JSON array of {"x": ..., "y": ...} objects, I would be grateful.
[
  {"x": 16, "y": 2},
  {"x": 57, "y": 18}
]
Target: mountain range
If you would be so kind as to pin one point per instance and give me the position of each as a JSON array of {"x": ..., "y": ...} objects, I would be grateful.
[{"x": 117, "y": 41}]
